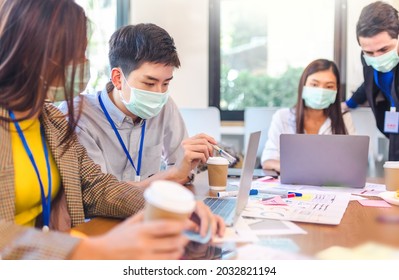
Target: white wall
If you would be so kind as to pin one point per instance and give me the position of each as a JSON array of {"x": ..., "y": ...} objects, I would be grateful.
[{"x": 187, "y": 22}]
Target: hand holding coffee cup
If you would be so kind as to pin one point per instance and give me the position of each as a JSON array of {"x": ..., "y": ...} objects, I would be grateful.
[
  {"x": 391, "y": 175},
  {"x": 217, "y": 173},
  {"x": 168, "y": 200}
]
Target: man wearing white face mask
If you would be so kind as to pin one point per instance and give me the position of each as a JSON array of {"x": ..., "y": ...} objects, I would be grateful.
[
  {"x": 377, "y": 33},
  {"x": 317, "y": 111},
  {"x": 133, "y": 124}
]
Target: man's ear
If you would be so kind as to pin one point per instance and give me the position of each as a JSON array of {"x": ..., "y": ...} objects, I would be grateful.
[{"x": 116, "y": 78}]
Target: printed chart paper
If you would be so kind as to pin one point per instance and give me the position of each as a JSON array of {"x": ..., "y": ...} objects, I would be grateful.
[{"x": 312, "y": 207}]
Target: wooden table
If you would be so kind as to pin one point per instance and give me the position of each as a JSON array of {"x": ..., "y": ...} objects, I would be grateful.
[{"x": 358, "y": 225}]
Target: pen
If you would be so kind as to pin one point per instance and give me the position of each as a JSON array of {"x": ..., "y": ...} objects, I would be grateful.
[
  {"x": 224, "y": 154},
  {"x": 278, "y": 191},
  {"x": 289, "y": 195},
  {"x": 255, "y": 192},
  {"x": 296, "y": 193},
  {"x": 235, "y": 193}
]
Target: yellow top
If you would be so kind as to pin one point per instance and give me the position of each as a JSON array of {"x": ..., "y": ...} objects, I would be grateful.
[{"x": 28, "y": 203}]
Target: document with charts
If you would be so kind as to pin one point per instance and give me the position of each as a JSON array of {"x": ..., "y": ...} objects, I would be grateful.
[{"x": 312, "y": 207}]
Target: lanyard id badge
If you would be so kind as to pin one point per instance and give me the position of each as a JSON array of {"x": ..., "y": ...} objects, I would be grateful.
[
  {"x": 46, "y": 201},
  {"x": 137, "y": 177},
  {"x": 391, "y": 122}
]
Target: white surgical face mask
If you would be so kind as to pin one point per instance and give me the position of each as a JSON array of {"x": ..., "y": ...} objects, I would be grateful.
[
  {"x": 385, "y": 62},
  {"x": 80, "y": 82},
  {"x": 318, "y": 98},
  {"x": 144, "y": 104}
]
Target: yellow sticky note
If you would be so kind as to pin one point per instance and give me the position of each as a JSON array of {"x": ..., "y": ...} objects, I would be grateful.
[
  {"x": 305, "y": 197},
  {"x": 77, "y": 234}
]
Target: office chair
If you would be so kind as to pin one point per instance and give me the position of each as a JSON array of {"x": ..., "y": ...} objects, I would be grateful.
[
  {"x": 258, "y": 118},
  {"x": 364, "y": 122},
  {"x": 202, "y": 120}
]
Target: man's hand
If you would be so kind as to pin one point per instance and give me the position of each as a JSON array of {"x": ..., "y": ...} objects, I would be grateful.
[{"x": 196, "y": 149}]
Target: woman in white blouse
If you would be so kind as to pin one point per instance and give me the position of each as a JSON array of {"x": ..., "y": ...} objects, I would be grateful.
[{"x": 317, "y": 111}]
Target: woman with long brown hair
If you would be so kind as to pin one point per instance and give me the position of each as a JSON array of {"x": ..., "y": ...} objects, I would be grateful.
[
  {"x": 317, "y": 110},
  {"x": 48, "y": 184}
]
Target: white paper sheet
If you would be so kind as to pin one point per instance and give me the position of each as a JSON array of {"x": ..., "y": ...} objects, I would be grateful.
[
  {"x": 241, "y": 232},
  {"x": 313, "y": 207},
  {"x": 272, "y": 227}
]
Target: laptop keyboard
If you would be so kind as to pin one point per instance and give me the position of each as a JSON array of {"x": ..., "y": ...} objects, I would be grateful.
[{"x": 221, "y": 207}]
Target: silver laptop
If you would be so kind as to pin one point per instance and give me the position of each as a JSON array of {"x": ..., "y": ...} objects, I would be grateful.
[
  {"x": 324, "y": 160},
  {"x": 230, "y": 208}
]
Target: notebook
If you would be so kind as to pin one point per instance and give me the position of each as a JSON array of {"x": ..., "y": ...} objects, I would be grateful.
[
  {"x": 324, "y": 160},
  {"x": 230, "y": 208}
]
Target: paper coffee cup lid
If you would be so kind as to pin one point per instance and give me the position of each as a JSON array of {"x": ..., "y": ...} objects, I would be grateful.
[
  {"x": 170, "y": 196},
  {"x": 391, "y": 164},
  {"x": 217, "y": 160}
]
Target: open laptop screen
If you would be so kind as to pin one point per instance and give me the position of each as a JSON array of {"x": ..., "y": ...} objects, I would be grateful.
[
  {"x": 324, "y": 160},
  {"x": 231, "y": 216}
]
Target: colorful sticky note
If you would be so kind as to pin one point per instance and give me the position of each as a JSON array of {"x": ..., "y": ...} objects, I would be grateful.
[
  {"x": 286, "y": 244},
  {"x": 374, "y": 203},
  {"x": 267, "y": 179},
  {"x": 274, "y": 201}
]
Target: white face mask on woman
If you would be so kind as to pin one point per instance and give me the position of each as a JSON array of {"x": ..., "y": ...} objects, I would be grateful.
[
  {"x": 80, "y": 82},
  {"x": 144, "y": 104},
  {"x": 318, "y": 98}
]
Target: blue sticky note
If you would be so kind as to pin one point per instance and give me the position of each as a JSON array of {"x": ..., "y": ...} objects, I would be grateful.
[
  {"x": 285, "y": 244},
  {"x": 196, "y": 237}
]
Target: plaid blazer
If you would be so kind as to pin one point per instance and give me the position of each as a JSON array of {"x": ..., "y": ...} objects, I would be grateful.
[{"x": 85, "y": 191}]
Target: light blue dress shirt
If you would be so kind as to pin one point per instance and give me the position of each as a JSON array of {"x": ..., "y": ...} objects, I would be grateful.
[{"x": 162, "y": 142}]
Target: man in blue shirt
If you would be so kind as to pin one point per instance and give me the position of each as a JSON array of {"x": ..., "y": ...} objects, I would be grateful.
[
  {"x": 377, "y": 34},
  {"x": 133, "y": 124}
]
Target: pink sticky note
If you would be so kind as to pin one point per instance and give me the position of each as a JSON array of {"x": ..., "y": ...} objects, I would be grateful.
[
  {"x": 274, "y": 201},
  {"x": 267, "y": 179},
  {"x": 374, "y": 203}
]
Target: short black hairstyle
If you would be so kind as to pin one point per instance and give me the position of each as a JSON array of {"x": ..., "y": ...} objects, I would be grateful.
[{"x": 132, "y": 45}]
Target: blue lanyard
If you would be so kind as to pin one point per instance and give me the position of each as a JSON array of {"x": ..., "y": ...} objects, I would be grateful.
[
  {"x": 386, "y": 93},
  {"x": 46, "y": 202},
  {"x": 111, "y": 122}
]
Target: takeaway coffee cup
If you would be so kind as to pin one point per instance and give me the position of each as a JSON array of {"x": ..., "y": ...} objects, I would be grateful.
[
  {"x": 217, "y": 173},
  {"x": 391, "y": 174},
  {"x": 168, "y": 200}
]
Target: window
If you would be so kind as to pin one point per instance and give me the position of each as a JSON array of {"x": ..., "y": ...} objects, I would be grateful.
[
  {"x": 105, "y": 16},
  {"x": 259, "y": 48}
]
